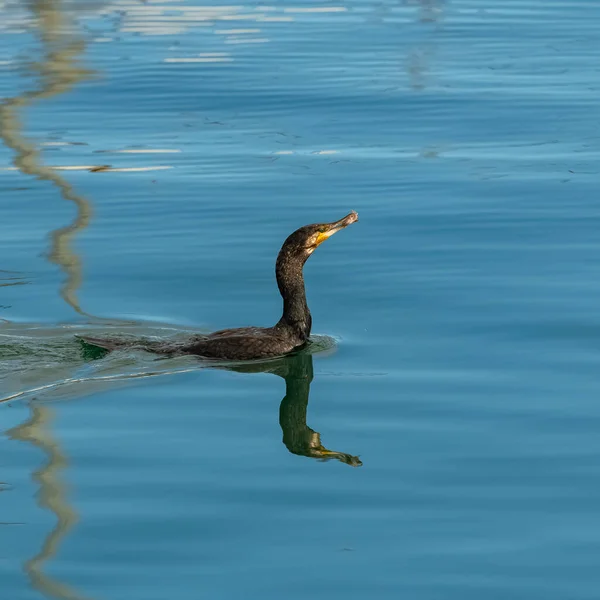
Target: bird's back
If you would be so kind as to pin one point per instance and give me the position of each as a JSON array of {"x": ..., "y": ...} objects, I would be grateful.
[{"x": 242, "y": 343}]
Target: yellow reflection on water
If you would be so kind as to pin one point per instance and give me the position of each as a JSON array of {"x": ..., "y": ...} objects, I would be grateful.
[
  {"x": 58, "y": 71},
  {"x": 52, "y": 496}
]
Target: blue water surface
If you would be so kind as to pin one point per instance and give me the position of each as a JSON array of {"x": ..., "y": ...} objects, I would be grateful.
[{"x": 439, "y": 440}]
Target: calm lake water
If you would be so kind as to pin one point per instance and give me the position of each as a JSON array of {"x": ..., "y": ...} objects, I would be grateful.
[{"x": 154, "y": 156}]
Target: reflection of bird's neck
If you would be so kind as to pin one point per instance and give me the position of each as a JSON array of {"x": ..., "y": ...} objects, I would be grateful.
[
  {"x": 290, "y": 280},
  {"x": 292, "y": 411}
]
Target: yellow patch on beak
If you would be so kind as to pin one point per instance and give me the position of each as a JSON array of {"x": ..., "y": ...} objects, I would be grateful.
[
  {"x": 331, "y": 228},
  {"x": 323, "y": 236}
]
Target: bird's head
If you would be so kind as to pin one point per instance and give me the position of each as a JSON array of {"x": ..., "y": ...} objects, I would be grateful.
[{"x": 304, "y": 241}]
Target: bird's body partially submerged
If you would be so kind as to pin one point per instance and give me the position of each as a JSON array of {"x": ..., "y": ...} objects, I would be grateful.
[{"x": 247, "y": 343}]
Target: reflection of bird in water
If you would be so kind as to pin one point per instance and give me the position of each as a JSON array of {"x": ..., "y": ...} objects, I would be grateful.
[
  {"x": 298, "y": 437},
  {"x": 245, "y": 343}
]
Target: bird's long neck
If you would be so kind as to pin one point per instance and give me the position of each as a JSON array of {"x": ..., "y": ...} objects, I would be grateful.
[{"x": 290, "y": 280}]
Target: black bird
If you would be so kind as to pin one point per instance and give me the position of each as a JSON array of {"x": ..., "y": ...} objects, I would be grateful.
[{"x": 247, "y": 343}]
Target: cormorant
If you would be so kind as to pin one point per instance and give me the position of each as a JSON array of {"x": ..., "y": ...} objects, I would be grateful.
[{"x": 247, "y": 343}]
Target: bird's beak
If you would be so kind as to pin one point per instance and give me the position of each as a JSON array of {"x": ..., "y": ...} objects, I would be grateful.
[{"x": 331, "y": 228}]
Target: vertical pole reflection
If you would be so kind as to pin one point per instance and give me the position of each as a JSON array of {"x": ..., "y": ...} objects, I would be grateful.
[
  {"x": 58, "y": 70},
  {"x": 430, "y": 12},
  {"x": 52, "y": 496}
]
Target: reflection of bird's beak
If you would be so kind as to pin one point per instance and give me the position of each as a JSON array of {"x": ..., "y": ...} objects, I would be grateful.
[{"x": 336, "y": 226}]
